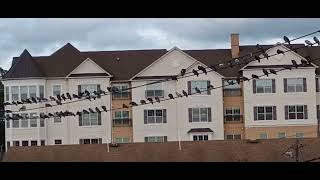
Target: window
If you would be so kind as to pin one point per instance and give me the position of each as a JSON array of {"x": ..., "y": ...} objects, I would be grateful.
[
  {"x": 33, "y": 91},
  {"x": 264, "y": 85},
  {"x": 15, "y": 123},
  {"x": 154, "y": 90},
  {"x": 41, "y": 91},
  {"x": 155, "y": 116},
  {"x": 123, "y": 92},
  {"x": 265, "y": 113},
  {"x": 24, "y": 121},
  {"x": 90, "y": 119},
  {"x": 233, "y": 136},
  {"x": 299, "y": 135},
  {"x": 57, "y": 119},
  {"x": 57, "y": 141},
  {"x": 7, "y": 93},
  {"x": 8, "y": 123},
  {"x": 34, "y": 143},
  {"x": 25, "y": 143},
  {"x": 121, "y": 140},
  {"x": 33, "y": 120},
  {"x": 16, "y": 143},
  {"x": 232, "y": 114},
  {"x": 15, "y": 93},
  {"x": 201, "y": 85},
  {"x": 121, "y": 117},
  {"x": 42, "y": 121},
  {"x": 90, "y": 141},
  {"x": 296, "y": 112},
  {"x": 24, "y": 92},
  {"x": 42, "y": 142},
  {"x": 156, "y": 139},
  {"x": 263, "y": 136},
  {"x": 295, "y": 85},
  {"x": 8, "y": 144},
  {"x": 200, "y": 137},
  {"x": 56, "y": 90},
  {"x": 281, "y": 135},
  {"x": 89, "y": 87},
  {"x": 199, "y": 114},
  {"x": 317, "y": 84},
  {"x": 231, "y": 88}
]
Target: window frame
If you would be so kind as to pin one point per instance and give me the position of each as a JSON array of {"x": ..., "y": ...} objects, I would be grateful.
[
  {"x": 154, "y": 116},
  {"x": 18, "y": 93},
  {"x": 156, "y": 139},
  {"x": 89, "y": 119},
  {"x": 296, "y": 112},
  {"x": 265, "y": 113},
  {"x": 120, "y": 94},
  {"x": 152, "y": 88},
  {"x": 233, "y": 114},
  {"x": 200, "y": 137},
  {"x": 264, "y": 85},
  {"x": 203, "y": 90},
  {"x": 295, "y": 85},
  {"x": 200, "y": 115},
  {"x": 53, "y": 90}
]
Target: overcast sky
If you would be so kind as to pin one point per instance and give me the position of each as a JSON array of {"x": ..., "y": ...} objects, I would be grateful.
[{"x": 44, "y": 36}]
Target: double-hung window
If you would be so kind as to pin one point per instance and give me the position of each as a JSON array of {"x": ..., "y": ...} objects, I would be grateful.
[
  {"x": 56, "y": 90},
  {"x": 24, "y": 121},
  {"x": 91, "y": 141},
  {"x": 155, "y": 116},
  {"x": 121, "y": 140},
  {"x": 155, "y": 139},
  {"x": 199, "y": 114},
  {"x": 232, "y": 114},
  {"x": 24, "y": 92},
  {"x": 33, "y": 120},
  {"x": 154, "y": 90},
  {"x": 41, "y": 91},
  {"x": 90, "y": 119},
  {"x": 15, "y": 93},
  {"x": 89, "y": 87},
  {"x": 202, "y": 85},
  {"x": 231, "y": 88},
  {"x": 121, "y": 118},
  {"x": 265, "y": 113},
  {"x": 295, "y": 85},
  {"x": 233, "y": 136},
  {"x": 296, "y": 112},
  {"x": 123, "y": 91},
  {"x": 264, "y": 86},
  {"x": 33, "y": 91}
]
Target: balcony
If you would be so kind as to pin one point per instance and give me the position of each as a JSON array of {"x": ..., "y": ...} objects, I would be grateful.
[
  {"x": 121, "y": 96},
  {"x": 233, "y": 118},
  {"x": 232, "y": 92},
  {"x": 154, "y": 93},
  {"x": 126, "y": 122}
]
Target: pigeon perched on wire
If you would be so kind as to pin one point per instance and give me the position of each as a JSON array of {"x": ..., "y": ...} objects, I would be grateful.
[
  {"x": 76, "y": 96},
  {"x": 280, "y": 51},
  {"x": 98, "y": 110},
  {"x": 143, "y": 102},
  {"x": 8, "y": 111},
  {"x": 295, "y": 64},
  {"x": 23, "y": 108},
  {"x": 304, "y": 62},
  {"x": 184, "y": 93},
  {"x": 309, "y": 43},
  {"x": 125, "y": 106},
  {"x": 150, "y": 100},
  {"x": 34, "y": 100},
  {"x": 85, "y": 111},
  {"x": 18, "y": 102},
  {"x": 78, "y": 113},
  {"x": 316, "y": 40},
  {"x": 197, "y": 90},
  {"x": 201, "y": 68},
  {"x": 52, "y": 98},
  {"x": 272, "y": 71},
  {"x": 104, "y": 108},
  {"x": 59, "y": 97},
  {"x": 58, "y": 102},
  {"x": 308, "y": 58},
  {"x": 133, "y": 103},
  {"x": 265, "y": 72},
  {"x": 69, "y": 96},
  {"x": 286, "y": 39},
  {"x": 91, "y": 110},
  {"x": 257, "y": 58},
  {"x": 15, "y": 103},
  {"x": 255, "y": 76},
  {"x": 195, "y": 72},
  {"x": 157, "y": 99},
  {"x": 170, "y": 96},
  {"x": 183, "y": 72},
  {"x": 178, "y": 94}
]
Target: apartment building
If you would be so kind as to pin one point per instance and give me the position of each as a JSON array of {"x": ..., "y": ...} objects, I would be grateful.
[{"x": 237, "y": 111}]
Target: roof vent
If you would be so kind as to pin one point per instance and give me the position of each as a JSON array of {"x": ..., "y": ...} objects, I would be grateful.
[{"x": 118, "y": 59}]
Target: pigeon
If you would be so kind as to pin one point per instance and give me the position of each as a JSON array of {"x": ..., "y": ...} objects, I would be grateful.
[
  {"x": 109, "y": 89},
  {"x": 23, "y": 108},
  {"x": 18, "y": 102},
  {"x": 170, "y": 96},
  {"x": 87, "y": 92},
  {"x": 58, "y": 102},
  {"x": 72, "y": 114},
  {"x": 255, "y": 76},
  {"x": 8, "y": 117},
  {"x": 44, "y": 99},
  {"x": 316, "y": 40},
  {"x": 308, "y": 58},
  {"x": 265, "y": 72},
  {"x": 287, "y": 67},
  {"x": 245, "y": 78},
  {"x": 124, "y": 106},
  {"x": 76, "y": 96},
  {"x": 304, "y": 62},
  {"x": 178, "y": 94},
  {"x": 286, "y": 39},
  {"x": 6, "y": 103},
  {"x": 142, "y": 101},
  {"x": 59, "y": 97},
  {"x": 195, "y": 72},
  {"x": 34, "y": 100},
  {"x": 8, "y": 111},
  {"x": 294, "y": 63},
  {"x": 184, "y": 93},
  {"x": 133, "y": 103},
  {"x": 197, "y": 90},
  {"x": 39, "y": 99},
  {"x": 19, "y": 116},
  {"x": 52, "y": 98},
  {"x": 15, "y": 103},
  {"x": 272, "y": 71},
  {"x": 157, "y": 99},
  {"x": 91, "y": 110},
  {"x": 238, "y": 80},
  {"x": 50, "y": 114},
  {"x": 257, "y": 58},
  {"x": 308, "y": 43},
  {"x": 85, "y": 111},
  {"x": 68, "y": 95},
  {"x": 174, "y": 78},
  {"x": 48, "y": 105},
  {"x": 280, "y": 51},
  {"x": 150, "y": 100},
  {"x": 78, "y": 113},
  {"x": 266, "y": 55},
  {"x": 104, "y": 108},
  {"x": 183, "y": 72},
  {"x": 201, "y": 68},
  {"x": 98, "y": 110}
]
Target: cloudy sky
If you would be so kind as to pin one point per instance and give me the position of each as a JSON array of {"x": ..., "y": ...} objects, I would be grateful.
[{"x": 44, "y": 36}]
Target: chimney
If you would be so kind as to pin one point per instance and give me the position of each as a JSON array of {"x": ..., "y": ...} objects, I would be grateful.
[{"x": 235, "y": 45}]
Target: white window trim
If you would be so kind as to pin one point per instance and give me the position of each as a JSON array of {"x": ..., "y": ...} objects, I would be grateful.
[
  {"x": 295, "y": 87},
  {"x": 296, "y": 113},
  {"x": 200, "y": 122},
  {"x": 264, "y": 87},
  {"x": 265, "y": 116},
  {"x": 56, "y": 85},
  {"x": 203, "y": 93},
  {"x": 91, "y": 126},
  {"x": 155, "y": 116}
]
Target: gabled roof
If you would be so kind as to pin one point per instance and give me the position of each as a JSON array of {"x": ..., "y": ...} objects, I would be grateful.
[{"x": 123, "y": 65}]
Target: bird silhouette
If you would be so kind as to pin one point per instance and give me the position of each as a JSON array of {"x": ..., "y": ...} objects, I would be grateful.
[
  {"x": 72, "y": 114},
  {"x": 50, "y": 115},
  {"x": 109, "y": 89},
  {"x": 255, "y": 76},
  {"x": 265, "y": 72},
  {"x": 91, "y": 110},
  {"x": 59, "y": 97},
  {"x": 287, "y": 67},
  {"x": 195, "y": 72},
  {"x": 98, "y": 110},
  {"x": 157, "y": 99},
  {"x": 308, "y": 43},
  {"x": 272, "y": 71},
  {"x": 23, "y": 108},
  {"x": 133, "y": 103},
  {"x": 76, "y": 96},
  {"x": 69, "y": 96},
  {"x": 178, "y": 94},
  {"x": 170, "y": 96},
  {"x": 78, "y": 113},
  {"x": 184, "y": 93},
  {"x": 63, "y": 97},
  {"x": 280, "y": 51},
  {"x": 85, "y": 111},
  {"x": 6, "y": 103},
  {"x": 58, "y": 102},
  {"x": 150, "y": 100},
  {"x": 52, "y": 98},
  {"x": 286, "y": 39},
  {"x": 8, "y": 111},
  {"x": 8, "y": 117},
  {"x": 265, "y": 55},
  {"x": 197, "y": 90},
  {"x": 308, "y": 58},
  {"x": 316, "y": 40},
  {"x": 174, "y": 78},
  {"x": 257, "y": 58},
  {"x": 29, "y": 101},
  {"x": 34, "y": 100},
  {"x": 15, "y": 103},
  {"x": 124, "y": 106},
  {"x": 38, "y": 99},
  {"x": 18, "y": 102},
  {"x": 294, "y": 63},
  {"x": 201, "y": 68},
  {"x": 44, "y": 99},
  {"x": 183, "y": 72},
  {"x": 143, "y": 102},
  {"x": 104, "y": 108},
  {"x": 238, "y": 80},
  {"x": 304, "y": 62},
  {"x": 87, "y": 92}
]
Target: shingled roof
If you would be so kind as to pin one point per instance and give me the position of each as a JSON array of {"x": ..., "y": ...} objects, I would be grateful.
[
  {"x": 131, "y": 62},
  {"x": 268, "y": 150}
]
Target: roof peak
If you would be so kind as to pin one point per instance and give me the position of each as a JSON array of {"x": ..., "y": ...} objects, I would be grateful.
[{"x": 66, "y": 48}]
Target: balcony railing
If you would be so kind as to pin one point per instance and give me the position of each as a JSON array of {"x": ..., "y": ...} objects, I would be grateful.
[
  {"x": 232, "y": 92},
  {"x": 125, "y": 122},
  {"x": 233, "y": 118},
  {"x": 154, "y": 93}
]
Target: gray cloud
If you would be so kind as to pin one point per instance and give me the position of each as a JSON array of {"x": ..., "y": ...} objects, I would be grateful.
[{"x": 44, "y": 36}]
